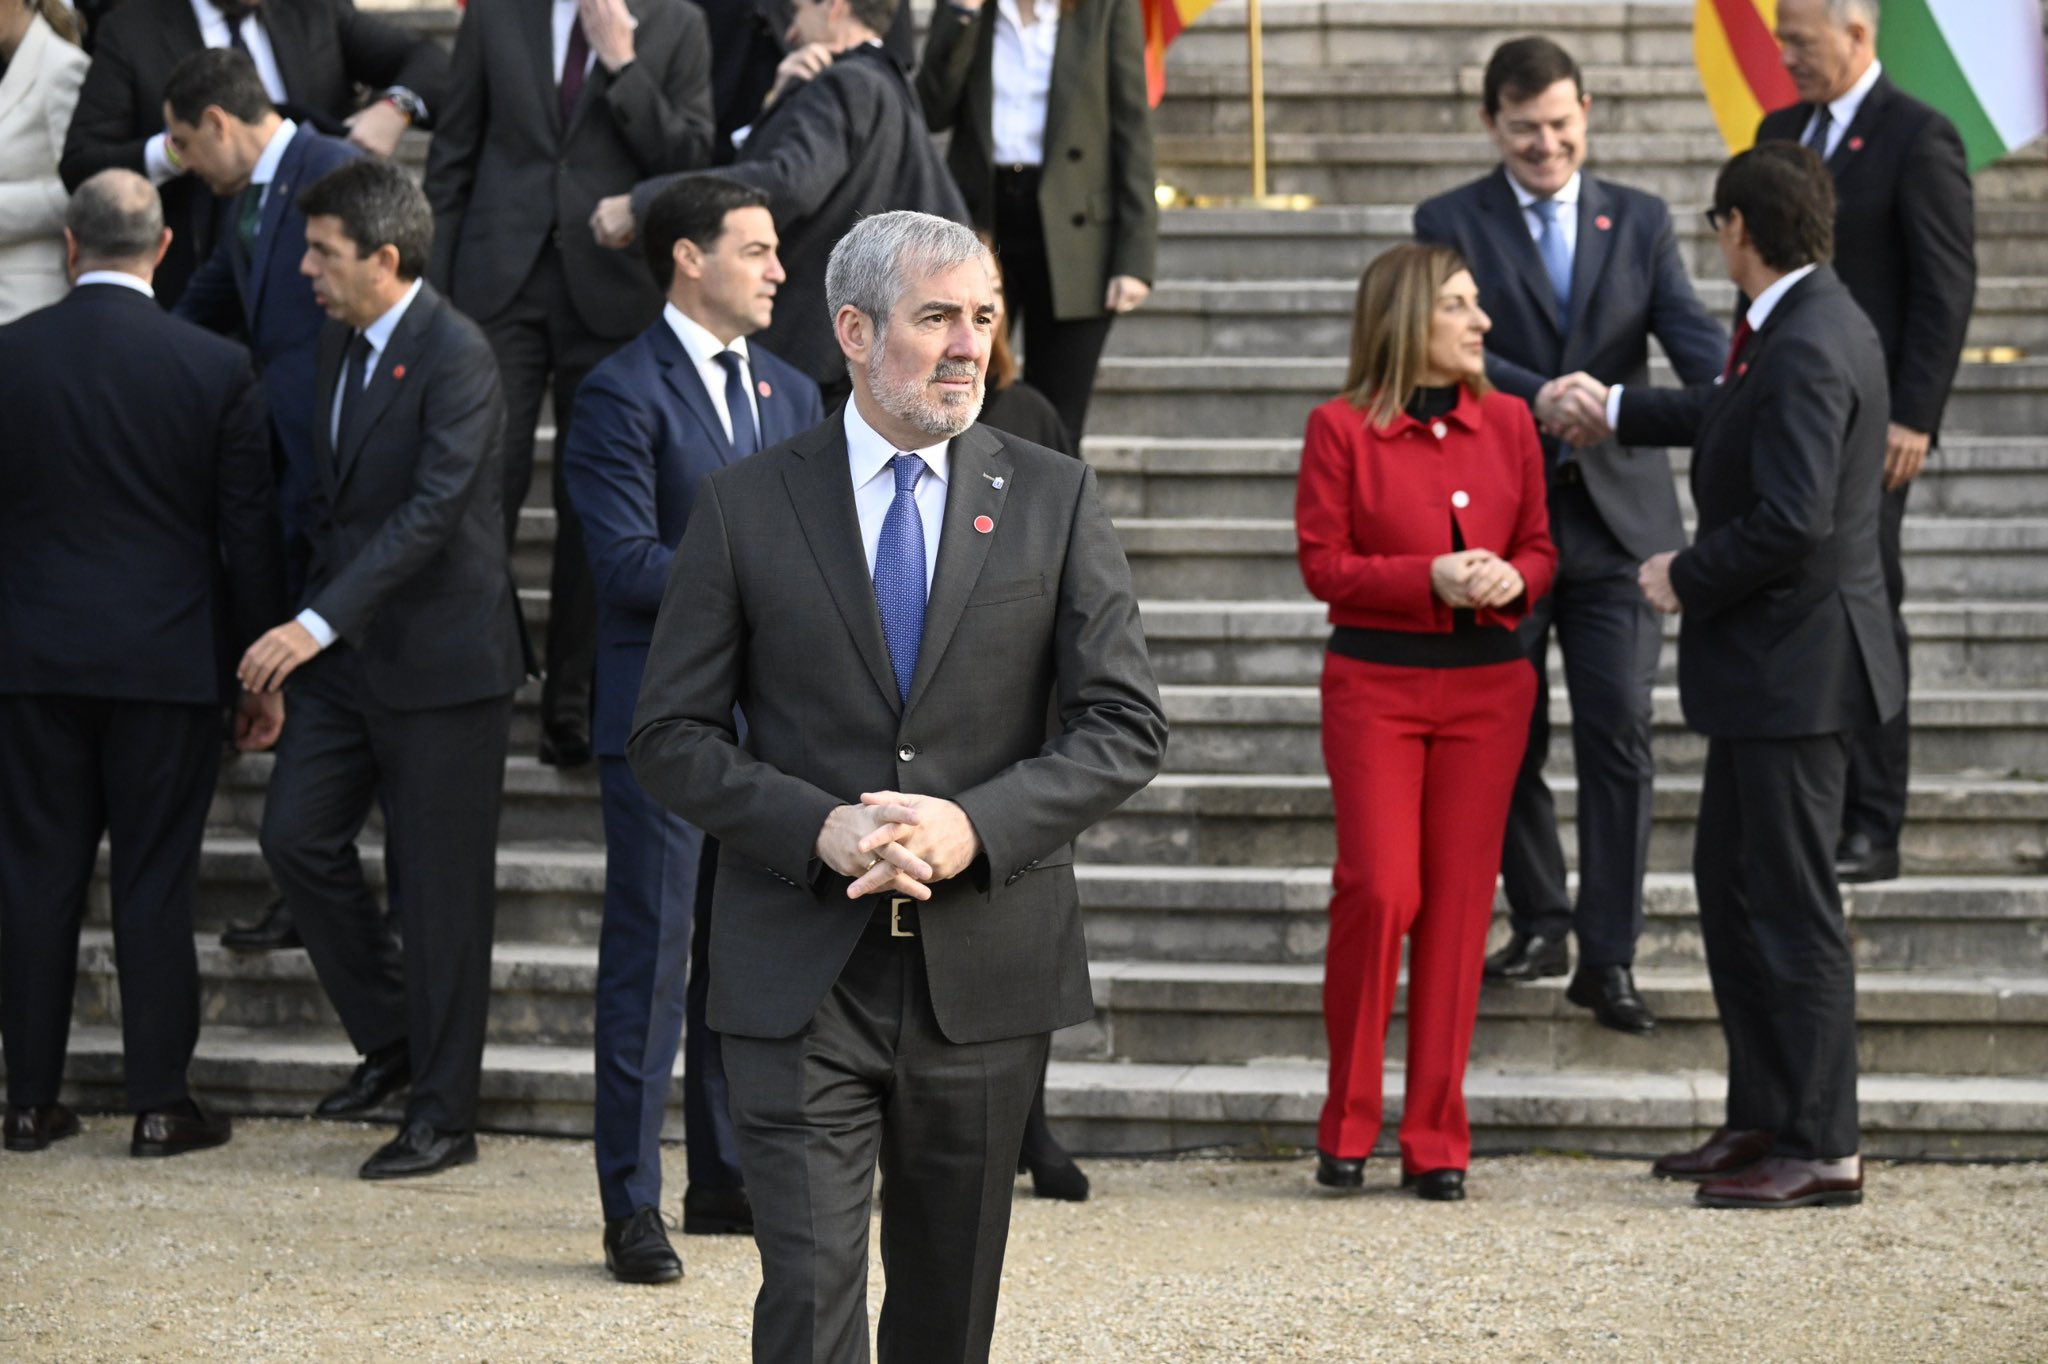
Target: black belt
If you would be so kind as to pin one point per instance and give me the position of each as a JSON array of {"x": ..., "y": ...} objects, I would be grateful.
[{"x": 894, "y": 918}]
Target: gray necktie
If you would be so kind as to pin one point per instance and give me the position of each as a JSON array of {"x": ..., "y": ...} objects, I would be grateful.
[{"x": 1823, "y": 119}]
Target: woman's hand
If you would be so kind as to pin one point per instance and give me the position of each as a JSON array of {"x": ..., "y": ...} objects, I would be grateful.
[
  {"x": 1494, "y": 584},
  {"x": 1126, "y": 293},
  {"x": 1450, "y": 575}
]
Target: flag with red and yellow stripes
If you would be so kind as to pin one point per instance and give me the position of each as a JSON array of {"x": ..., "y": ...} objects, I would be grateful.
[
  {"x": 1164, "y": 19},
  {"x": 1736, "y": 50}
]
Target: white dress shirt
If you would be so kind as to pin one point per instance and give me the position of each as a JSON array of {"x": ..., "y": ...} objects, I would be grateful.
[
  {"x": 1023, "y": 80},
  {"x": 1842, "y": 112},
  {"x": 704, "y": 349},
  {"x": 869, "y": 458},
  {"x": 120, "y": 277},
  {"x": 1567, "y": 213},
  {"x": 564, "y": 19},
  {"x": 213, "y": 32},
  {"x": 1759, "y": 313},
  {"x": 378, "y": 334}
]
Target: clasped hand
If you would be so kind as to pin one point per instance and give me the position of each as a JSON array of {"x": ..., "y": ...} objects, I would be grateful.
[
  {"x": 1474, "y": 578},
  {"x": 897, "y": 842},
  {"x": 1574, "y": 409}
]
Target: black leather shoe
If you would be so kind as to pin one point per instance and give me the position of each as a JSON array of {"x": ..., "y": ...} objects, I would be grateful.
[
  {"x": 1059, "y": 1179},
  {"x": 174, "y": 1131},
  {"x": 1529, "y": 956},
  {"x": 560, "y": 748},
  {"x": 33, "y": 1129},
  {"x": 382, "y": 1074},
  {"x": 637, "y": 1250},
  {"x": 1858, "y": 861},
  {"x": 1610, "y": 992},
  {"x": 420, "y": 1150},
  {"x": 1334, "y": 1172},
  {"x": 274, "y": 932},
  {"x": 716, "y": 1212},
  {"x": 1436, "y": 1186}
]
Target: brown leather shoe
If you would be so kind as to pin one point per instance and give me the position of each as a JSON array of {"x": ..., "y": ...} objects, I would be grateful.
[
  {"x": 1783, "y": 1182},
  {"x": 32, "y": 1129},
  {"x": 1729, "y": 1151},
  {"x": 176, "y": 1130}
]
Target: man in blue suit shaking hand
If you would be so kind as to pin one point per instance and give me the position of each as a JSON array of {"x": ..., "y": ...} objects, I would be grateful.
[{"x": 684, "y": 398}]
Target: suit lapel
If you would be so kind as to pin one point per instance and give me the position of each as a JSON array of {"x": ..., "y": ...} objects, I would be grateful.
[
  {"x": 538, "y": 16},
  {"x": 327, "y": 370},
  {"x": 681, "y": 375},
  {"x": 1869, "y": 119},
  {"x": 386, "y": 380},
  {"x": 821, "y": 491},
  {"x": 1069, "y": 56},
  {"x": 290, "y": 46},
  {"x": 778, "y": 421},
  {"x": 21, "y": 72},
  {"x": 978, "y": 459},
  {"x": 282, "y": 187},
  {"x": 1589, "y": 257},
  {"x": 1512, "y": 230}
]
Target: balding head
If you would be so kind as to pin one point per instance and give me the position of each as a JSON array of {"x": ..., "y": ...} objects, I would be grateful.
[{"x": 115, "y": 222}]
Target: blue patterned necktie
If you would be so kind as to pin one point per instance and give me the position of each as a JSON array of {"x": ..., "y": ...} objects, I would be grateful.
[
  {"x": 744, "y": 441},
  {"x": 899, "y": 574},
  {"x": 1557, "y": 260}
]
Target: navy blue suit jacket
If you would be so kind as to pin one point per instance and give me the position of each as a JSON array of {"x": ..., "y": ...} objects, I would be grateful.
[
  {"x": 261, "y": 295},
  {"x": 1628, "y": 283},
  {"x": 644, "y": 438}
]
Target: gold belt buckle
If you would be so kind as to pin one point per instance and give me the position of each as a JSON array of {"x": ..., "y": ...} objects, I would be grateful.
[{"x": 896, "y": 928}]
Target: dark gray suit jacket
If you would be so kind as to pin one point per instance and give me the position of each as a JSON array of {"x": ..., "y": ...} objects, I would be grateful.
[
  {"x": 1033, "y": 706},
  {"x": 1628, "y": 283},
  {"x": 1786, "y": 631},
  {"x": 848, "y": 144},
  {"x": 408, "y": 537},
  {"x": 505, "y": 173}
]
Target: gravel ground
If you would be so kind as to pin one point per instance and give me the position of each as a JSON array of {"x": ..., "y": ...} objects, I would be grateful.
[{"x": 271, "y": 1250}]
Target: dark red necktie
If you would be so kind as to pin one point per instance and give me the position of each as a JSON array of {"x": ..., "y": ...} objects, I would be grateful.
[
  {"x": 1742, "y": 335},
  {"x": 573, "y": 62}
]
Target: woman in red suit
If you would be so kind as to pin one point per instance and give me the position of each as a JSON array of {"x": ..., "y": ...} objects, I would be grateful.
[{"x": 1421, "y": 521}]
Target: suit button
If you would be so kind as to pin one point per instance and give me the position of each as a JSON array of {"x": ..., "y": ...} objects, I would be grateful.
[
  {"x": 906, "y": 753},
  {"x": 1461, "y": 498},
  {"x": 1439, "y": 430},
  {"x": 1073, "y": 153},
  {"x": 1080, "y": 220}
]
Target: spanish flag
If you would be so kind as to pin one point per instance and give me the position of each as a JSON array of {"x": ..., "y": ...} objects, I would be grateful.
[
  {"x": 1736, "y": 50},
  {"x": 1164, "y": 19}
]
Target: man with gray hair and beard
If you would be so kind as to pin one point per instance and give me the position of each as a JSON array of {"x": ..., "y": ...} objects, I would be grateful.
[{"x": 930, "y": 628}]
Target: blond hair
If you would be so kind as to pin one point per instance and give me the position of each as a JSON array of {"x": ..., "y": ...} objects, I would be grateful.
[{"x": 1390, "y": 328}]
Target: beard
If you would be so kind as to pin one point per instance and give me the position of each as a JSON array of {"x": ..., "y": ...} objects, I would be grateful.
[{"x": 905, "y": 400}]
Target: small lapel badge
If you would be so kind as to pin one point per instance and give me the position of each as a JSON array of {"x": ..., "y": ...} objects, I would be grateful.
[
  {"x": 761, "y": 387},
  {"x": 1742, "y": 369},
  {"x": 984, "y": 524},
  {"x": 994, "y": 480},
  {"x": 1855, "y": 144},
  {"x": 1604, "y": 223},
  {"x": 398, "y": 371}
]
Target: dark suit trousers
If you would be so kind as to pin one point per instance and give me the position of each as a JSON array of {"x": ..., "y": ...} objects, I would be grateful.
[
  {"x": 537, "y": 336},
  {"x": 1061, "y": 356},
  {"x": 143, "y": 774},
  {"x": 440, "y": 773},
  {"x": 652, "y": 871},
  {"x": 1777, "y": 947},
  {"x": 1880, "y": 756},
  {"x": 871, "y": 1073},
  {"x": 1610, "y": 638}
]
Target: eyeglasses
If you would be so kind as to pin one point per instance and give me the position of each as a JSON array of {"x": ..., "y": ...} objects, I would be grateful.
[{"x": 1717, "y": 216}]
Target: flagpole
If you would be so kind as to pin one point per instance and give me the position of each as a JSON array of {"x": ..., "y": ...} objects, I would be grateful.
[{"x": 1258, "y": 98}]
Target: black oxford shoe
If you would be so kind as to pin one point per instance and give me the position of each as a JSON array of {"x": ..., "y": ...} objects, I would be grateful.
[
  {"x": 33, "y": 1129},
  {"x": 419, "y": 1149},
  {"x": 1335, "y": 1172},
  {"x": 564, "y": 749},
  {"x": 1436, "y": 1186},
  {"x": 382, "y": 1074},
  {"x": 1858, "y": 861},
  {"x": 274, "y": 932},
  {"x": 1529, "y": 956},
  {"x": 1610, "y": 992},
  {"x": 716, "y": 1212},
  {"x": 177, "y": 1130},
  {"x": 637, "y": 1249}
]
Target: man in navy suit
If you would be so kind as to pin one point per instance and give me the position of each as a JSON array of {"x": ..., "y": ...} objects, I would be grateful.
[
  {"x": 1579, "y": 273},
  {"x": 684, "y": 398},
  {"x": 225, "y": 129}
]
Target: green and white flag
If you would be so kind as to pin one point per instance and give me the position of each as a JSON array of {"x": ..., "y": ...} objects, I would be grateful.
[{"x": 1978, "y": 61}]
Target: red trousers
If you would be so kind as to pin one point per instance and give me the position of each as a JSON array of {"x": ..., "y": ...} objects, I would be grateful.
[{"x": 1422, "y": 762}]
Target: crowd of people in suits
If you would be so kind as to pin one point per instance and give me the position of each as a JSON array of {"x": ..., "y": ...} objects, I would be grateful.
[{"x": 892, "y": 654}]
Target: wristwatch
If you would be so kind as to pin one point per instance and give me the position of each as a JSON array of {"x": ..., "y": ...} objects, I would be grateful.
[{"x": 406, "y": 102}]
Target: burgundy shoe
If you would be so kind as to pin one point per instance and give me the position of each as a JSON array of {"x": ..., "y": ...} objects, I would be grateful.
[
  {"x": 1783, "y": 1182},
  {"x": 1729, "y": 1151},
  {"x": 32, "y": 1129}
]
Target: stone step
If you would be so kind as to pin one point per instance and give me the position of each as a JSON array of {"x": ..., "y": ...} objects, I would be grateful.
[
  {"x": 1955, "y": 826},
  {"x": 1105, "y": 1107}
]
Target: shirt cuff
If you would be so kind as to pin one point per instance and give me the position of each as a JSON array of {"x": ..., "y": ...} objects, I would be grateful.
[
  {"x": 322, "y": 633},
  {"x": 157, "y": 161},
  {"x": 1614, "y": 408}
]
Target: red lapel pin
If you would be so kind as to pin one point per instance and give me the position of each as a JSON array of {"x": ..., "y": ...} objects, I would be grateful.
[
  {"x": 983, "y": 524},
  {"x": 1742, "y": 369},
  {"x": 398, "y": 371},
  {"x": 762, "y": 388},
  {"x": 1603, "y": 222},
  {"x": 1855, "y": 144}
]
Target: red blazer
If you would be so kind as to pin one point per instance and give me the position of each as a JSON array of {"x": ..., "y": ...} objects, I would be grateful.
[{"x": 1372, "y": 508}]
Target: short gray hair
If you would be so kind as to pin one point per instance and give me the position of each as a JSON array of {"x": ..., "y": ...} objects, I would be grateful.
[
  {"x": 1842, "y": 11},
  {"x": 115, "y": 216},
  {"x": 875, "y": 264}
]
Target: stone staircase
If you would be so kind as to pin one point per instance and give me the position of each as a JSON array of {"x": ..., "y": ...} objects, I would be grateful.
[{"x": 1205, "y": 894}]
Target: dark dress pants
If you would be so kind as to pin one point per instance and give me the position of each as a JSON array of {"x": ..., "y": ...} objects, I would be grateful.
[
  {"x": 645, "y": 976},
  {"x": 539, "y": 335},
  {"x": 1610, "y": 637},
  {"x": 1777, "y": 948},
  {"x": 872, "y": 1074},
  {"x": 1061, "y": 355},
  {"x": 142, "y": 773},
  {"x": 440, "y": 773},
  {"x": 1880, "y": 755}
]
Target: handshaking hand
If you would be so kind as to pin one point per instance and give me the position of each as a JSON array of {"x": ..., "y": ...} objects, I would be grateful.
[{"x": 1574, "y": 409}]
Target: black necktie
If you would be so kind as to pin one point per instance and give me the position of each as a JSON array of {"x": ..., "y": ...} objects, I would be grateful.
[
  {"x": 741, "y": 413},
  {"x": 1823, "y": 119},
  {"x": 352, "y": 385}
]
